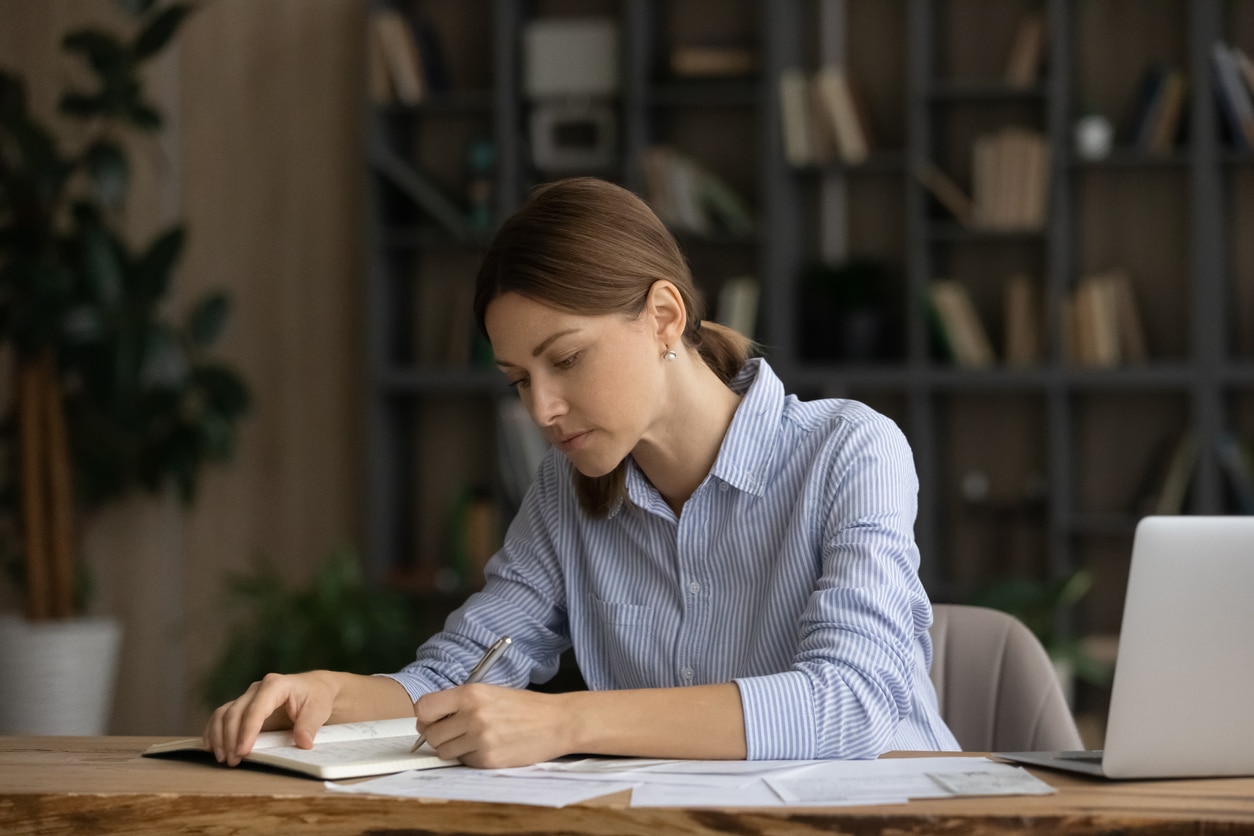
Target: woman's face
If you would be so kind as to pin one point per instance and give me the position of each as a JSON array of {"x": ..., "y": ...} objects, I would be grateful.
[{"x": 591, "y": 383}]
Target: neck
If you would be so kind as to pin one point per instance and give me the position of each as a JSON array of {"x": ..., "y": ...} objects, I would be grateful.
[{"x": 679, "y": 454}]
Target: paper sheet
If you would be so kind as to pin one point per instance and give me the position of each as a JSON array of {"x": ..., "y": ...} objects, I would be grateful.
[
  {"x": 858, "y": 782},
  {"x": 717, "y": 783},
  {"x": 466, "y": 784}
]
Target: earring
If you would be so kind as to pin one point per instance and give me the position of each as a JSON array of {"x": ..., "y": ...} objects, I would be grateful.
[{"x": 669, "y": 355}]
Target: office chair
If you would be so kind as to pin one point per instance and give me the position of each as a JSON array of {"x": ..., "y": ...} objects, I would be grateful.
[{"x": 995, "y": 684}]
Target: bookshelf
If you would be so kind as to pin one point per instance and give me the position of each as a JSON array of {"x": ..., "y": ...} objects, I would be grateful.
[{"x": 1038, "y": 468}]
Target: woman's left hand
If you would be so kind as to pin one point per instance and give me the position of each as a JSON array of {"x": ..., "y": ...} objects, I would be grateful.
[{"x": 492, "y": 727}]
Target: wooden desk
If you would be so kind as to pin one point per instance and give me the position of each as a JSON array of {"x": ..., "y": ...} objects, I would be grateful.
[{"x": 101, "y": 785}]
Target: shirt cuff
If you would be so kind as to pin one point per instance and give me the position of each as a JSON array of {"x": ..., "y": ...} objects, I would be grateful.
[
  {"x": 413, "y": 685},
  {"x": 779, "y": 720}
]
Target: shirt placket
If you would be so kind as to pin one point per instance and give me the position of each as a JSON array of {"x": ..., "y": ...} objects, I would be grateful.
[{"x": 695, "y": 592}]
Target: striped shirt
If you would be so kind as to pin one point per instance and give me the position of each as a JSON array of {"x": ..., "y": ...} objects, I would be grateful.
[{"x": 792, "y": 571}]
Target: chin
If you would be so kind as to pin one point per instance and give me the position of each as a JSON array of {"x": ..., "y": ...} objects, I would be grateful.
[{"x": 594, "y": 469}]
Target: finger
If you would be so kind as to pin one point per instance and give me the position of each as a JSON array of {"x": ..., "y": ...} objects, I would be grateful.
[
  {"x": 213, "y": 734},
  {"x": 259, "y": 703},
  {"x": 227, "y": 726},
  {"x": 305, "y": 724},
  {"x": 433, "y": 706}
]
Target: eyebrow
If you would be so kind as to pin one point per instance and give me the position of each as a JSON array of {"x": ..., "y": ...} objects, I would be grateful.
[{"x": 538, "y": 350}]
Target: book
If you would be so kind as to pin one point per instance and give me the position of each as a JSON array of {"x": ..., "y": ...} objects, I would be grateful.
[
  {"x": 1023, "y": 322},
  {"x": 1133, "y": 346},
  {"x": 794, "y": 103},
  {"x": 1159, "y": 133},
  {"x": 1023, "y": 67},
  {"x": 1235, "y": 98},
  {"x": 398, "y": 46},
  {"x": 948, "y": 193},
  {"x": 1174, "y": 487},
  {"x": 841, "y": 111},
  {"x": 738, "y": 304},
  {"x": 713, "y": 60},
  {"x": 345, "y": 750},
  {"x": 689, "y": 198},
  {"x": 961, "y": 325},
  {"x": 418, "y": 187},
  {"x": 1234, "y": 461}
]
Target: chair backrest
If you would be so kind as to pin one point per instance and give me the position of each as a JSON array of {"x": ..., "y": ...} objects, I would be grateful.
[{"x": 995, "y": 684}]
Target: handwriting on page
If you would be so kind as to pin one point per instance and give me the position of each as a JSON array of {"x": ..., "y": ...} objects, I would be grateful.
[{"x": 356, "y": 751}]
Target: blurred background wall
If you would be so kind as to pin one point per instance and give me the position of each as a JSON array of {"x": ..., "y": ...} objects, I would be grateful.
[{"x": 261, "y": 159}]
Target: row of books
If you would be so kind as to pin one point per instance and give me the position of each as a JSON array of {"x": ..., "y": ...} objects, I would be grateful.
[
  {"x": 1102, "y": 326},
  {"x": 1234, "y": 86},
  {"x": 824, "y": 117},
  {"x": 405, "y": 59},
  {"x": 690, "y": 198},
  {"x": 1165, "y": 487},
  {"x": 1156, "y": 113},
  {"x": 1009, "y": 182}
]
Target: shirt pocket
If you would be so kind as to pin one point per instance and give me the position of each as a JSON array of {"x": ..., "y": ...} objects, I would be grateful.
[
  {"x": 619, "y": 614},
  {"x": 628, "y": 645}
]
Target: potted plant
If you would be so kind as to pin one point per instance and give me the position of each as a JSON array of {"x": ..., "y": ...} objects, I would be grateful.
[
  {"x": 111, "y": 393},
  {"x": 339, "y": 621}
]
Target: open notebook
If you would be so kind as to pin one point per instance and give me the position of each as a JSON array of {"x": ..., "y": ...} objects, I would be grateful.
[
  {"x": 1184, "y": 674},
  {"x": 347, "y": 750}
]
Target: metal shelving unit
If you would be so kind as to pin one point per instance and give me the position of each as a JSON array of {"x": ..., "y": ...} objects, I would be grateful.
[{"x": 1212, "y": 380}]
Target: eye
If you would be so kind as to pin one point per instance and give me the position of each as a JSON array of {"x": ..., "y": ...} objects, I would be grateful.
[
  {"x": 567, "y": 362},
  {"x": 520, "y": 383}
]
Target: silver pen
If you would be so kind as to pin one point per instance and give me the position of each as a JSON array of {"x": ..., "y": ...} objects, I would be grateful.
[{"x": 478, "y": 672}]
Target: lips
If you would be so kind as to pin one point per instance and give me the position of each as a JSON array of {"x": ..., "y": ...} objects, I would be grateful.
[{"x": 572, "y": 443}]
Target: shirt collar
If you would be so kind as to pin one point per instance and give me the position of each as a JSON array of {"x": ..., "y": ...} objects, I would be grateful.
[{"x": 745, "y": 456}]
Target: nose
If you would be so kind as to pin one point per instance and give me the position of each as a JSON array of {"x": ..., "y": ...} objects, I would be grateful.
[{"x": 545, "y": 403}]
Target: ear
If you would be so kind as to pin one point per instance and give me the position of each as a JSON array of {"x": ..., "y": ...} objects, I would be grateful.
[{"x": 665, "y": 309}]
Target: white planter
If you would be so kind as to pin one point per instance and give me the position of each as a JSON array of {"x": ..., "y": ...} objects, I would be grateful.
[{"x": 57, "y": 677}]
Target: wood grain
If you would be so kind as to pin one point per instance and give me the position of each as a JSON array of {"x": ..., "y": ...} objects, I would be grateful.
[{"x": 101, "y": 785}]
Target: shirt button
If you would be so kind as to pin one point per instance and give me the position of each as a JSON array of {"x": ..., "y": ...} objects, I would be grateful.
[
  {"x": 694, "y": 587},
  {"x": 723, "y": 486},
  {"x": 687, "y": 673}
]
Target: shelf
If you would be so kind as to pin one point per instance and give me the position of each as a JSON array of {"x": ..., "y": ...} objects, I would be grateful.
[
  {"x": 984, "y": 92},
  {"x": 443, "y": 382},
  {"x": 454, "y": 103},
  {"x": 737, "y": 93},
  {"x": 1176, "y": 215}
]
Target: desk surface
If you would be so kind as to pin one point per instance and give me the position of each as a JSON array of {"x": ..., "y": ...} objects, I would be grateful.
[{"x": 102, "y": 785}]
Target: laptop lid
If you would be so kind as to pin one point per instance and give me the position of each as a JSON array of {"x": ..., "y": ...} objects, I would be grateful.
[{"x": 1184, "y": 677}]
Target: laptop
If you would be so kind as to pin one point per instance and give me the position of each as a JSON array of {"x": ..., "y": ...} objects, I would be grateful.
[{"x": 1182, "y": 701}]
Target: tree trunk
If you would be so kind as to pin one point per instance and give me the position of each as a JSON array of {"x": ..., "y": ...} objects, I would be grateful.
[{"x": 47, "y": 490}]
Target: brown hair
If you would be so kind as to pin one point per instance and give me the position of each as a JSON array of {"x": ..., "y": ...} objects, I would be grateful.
[{"x": 593, "y": 248}]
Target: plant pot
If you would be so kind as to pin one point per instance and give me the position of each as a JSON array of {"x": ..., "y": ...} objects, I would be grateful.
[{"x": 57, "y": 677}]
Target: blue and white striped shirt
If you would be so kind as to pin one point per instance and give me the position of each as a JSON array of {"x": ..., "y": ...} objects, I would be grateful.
[{"x": 792, "y": 570}]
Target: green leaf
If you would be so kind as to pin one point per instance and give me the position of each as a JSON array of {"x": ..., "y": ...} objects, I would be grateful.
[
  {"x": 41, "y": 169},
  {"x": 218, "y": 434},
  {"x": 83, "y": 105},
  {"x": 151, "y": 277},
  {"x": 12, "y": 96},
  {"x": 106, "y": 54},
  {"x": 136, "y": 8},
  {"x": 208, "y": 319},
  {"x": 110, "y": 172},
  {"x": 164, "y": 362},
  {"x": 223, "y": 389},
  {"x": 103, "y": 267},
  {"x": 154, "y": 36},
  {"x": 144, "y": 116}
]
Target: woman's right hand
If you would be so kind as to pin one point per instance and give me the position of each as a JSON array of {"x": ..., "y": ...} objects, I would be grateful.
[{"x": 302, "y": 702}]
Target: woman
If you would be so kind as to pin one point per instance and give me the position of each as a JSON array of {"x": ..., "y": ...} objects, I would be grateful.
[{"x": 735, "y": 568}]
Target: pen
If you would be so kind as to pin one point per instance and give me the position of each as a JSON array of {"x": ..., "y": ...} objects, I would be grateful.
[{"x": 478, "y": 672}]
